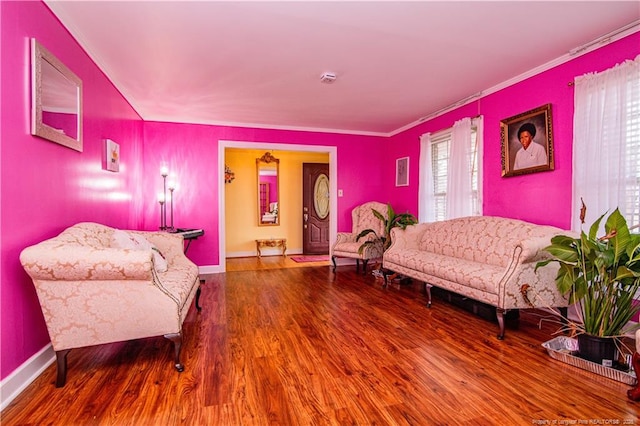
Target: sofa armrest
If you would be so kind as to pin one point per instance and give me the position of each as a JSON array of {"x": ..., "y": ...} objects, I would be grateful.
[
  {"x": 522, "y": 278},
  {"x": 408, "y": 238},
  {"x": 64, "y": 262},
  {"x": 533, "y": 249}
]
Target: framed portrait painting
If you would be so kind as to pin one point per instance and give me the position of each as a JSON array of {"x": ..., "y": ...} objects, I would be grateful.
[
  {"x": 402, "y": 171},
  {"x": 527, "y": 142}
]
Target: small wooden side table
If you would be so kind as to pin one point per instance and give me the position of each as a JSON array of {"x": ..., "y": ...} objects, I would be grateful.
[{"x": 272, "y": 242}]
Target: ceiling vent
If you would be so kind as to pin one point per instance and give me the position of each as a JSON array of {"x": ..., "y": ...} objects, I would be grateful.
[{"x": 328, "y": 77}]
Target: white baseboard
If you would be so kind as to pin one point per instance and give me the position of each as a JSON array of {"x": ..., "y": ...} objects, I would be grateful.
[
  {"x": 266, "y": 251},
  {"x": 243, "y": 254},
  {"x": 23, "y": 376},
  {"x": 210, "y": 269}
]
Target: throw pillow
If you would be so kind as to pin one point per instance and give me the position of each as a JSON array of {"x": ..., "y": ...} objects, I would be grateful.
[{"x": 128, "y": 240}]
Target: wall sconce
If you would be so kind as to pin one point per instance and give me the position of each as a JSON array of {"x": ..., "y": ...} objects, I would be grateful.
[{"x": 229, "y": 176}]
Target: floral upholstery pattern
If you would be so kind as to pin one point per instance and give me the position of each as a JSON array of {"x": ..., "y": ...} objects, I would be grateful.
[
  {"x": 362, "y": 218},
  {"x": 485, "y": 258},
  {"x": 92, "y": 293}
]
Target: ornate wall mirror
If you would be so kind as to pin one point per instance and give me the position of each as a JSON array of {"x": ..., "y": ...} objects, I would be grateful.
[
  {"x": 56, "y": 99},
  {"x": 268, "y": 172}
]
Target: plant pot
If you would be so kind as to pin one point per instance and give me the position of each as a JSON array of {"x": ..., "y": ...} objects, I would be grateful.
[{"x": 597, "y": 349}]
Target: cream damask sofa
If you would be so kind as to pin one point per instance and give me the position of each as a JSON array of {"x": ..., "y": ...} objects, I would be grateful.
[
  {"x": 488, "y": 259},
  {"x": 100, "y": 285}
]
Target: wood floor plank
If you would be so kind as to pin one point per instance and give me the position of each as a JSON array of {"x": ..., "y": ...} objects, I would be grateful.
[{"x": 306, "y": 346}]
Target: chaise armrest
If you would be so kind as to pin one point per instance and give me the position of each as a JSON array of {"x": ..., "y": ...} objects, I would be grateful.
[
  {"x": 55, "y": 262},
  {"x": 170, "y": 245}
]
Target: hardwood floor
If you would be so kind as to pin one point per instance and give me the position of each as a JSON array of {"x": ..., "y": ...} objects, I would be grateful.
[{"x": 305, "y": 346}]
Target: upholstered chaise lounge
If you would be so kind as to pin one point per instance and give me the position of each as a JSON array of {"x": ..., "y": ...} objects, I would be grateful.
[
  {"x": 100, "y": 285},
  {"x": 488, "y": 259}
]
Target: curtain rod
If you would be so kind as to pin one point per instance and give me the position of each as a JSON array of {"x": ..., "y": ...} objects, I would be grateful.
[
  {"x": 450, "y": 107},
  {"x": 603, "y": 40}
]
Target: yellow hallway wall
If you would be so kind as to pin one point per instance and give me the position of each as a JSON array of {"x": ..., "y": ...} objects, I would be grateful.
[{"x": 241, "y": 201}]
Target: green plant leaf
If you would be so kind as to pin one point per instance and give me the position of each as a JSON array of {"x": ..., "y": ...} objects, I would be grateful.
[
  {"x": 391, "y": 221},
  {"x": 563, "y": 253},
  {"x": 617, "y": 225},
  {"x": 366, "y": 232},
  {"x": 377, "y": 214},
  {"x": 601, "y": 275},
  {"x": 593, "y": 230}
]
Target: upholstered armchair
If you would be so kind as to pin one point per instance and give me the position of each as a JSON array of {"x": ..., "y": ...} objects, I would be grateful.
[
  {"x": 100, "y": 285},
  {"x": 346, "y": 244}
]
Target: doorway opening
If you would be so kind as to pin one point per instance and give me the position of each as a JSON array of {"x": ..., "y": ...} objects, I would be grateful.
[{"x": 224, "y": 144}]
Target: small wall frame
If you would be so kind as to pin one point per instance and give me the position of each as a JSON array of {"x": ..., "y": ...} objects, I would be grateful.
[
  {"x": 533, "y": 129},
  {"x": 402, "y": 171},
  {"x": 112, "y": 155}
]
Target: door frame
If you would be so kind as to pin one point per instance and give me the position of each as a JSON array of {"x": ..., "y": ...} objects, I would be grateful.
[{"x": 333, "y": 186}]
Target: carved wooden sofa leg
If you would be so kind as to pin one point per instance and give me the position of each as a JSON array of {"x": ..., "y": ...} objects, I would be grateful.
[
  {"x": 198, "y": 291},
  {"x": 500, "y": 314},
  {"x": 176, "y": 338},
  {"x": 61, "y": 365},
  {"x": 634, "y": 393},
  {"x": 427, "y": 288}
]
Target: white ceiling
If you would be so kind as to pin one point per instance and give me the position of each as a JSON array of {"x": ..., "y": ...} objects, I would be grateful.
[{"x": 258, "y": 64}]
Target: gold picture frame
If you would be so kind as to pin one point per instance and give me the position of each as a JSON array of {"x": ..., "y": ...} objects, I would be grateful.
[{"x": 534, "y": 127}]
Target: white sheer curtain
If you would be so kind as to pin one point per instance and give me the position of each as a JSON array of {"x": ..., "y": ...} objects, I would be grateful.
[
  {"x": 463, "y": 172},
  {"x": 479, "y": 124},
  {"x": 425, "y": 186},
  {"x": 602, "y": 166},
  {"x": 459, "y": 171}
]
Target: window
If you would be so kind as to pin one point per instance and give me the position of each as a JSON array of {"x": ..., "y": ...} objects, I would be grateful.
[
  {"x": 439, "y": 164},
  {"x": 632, "y": 155},
  {"x": 606, "y": 144},
  {"x": 443, "y": 193}
]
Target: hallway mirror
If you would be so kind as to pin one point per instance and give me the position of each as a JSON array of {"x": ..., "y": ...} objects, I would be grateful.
[
  {"x": 56, "y": 99},
  {"x": 268, "y": 171}
]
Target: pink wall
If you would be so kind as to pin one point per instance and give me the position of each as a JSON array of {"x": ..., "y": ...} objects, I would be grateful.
[
  {"x": 544, "y": 197},
  {"x": 192, "y": 152},
  {"x": 272, "y": 184},
  {"x": 46, "y": 187}
]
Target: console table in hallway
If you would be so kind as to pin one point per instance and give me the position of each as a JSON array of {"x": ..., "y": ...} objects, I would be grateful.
[{"x": 272, "y": 242}]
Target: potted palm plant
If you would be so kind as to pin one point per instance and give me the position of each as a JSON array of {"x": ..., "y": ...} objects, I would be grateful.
[
  {"x": 601, "y": 275},
  {"x": 393, "y": 220}
]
